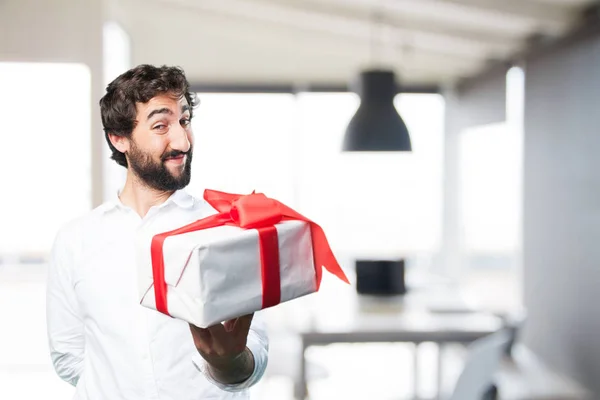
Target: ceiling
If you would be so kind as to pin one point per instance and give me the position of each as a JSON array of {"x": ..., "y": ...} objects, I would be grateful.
[{"x": 327, "y": 42}]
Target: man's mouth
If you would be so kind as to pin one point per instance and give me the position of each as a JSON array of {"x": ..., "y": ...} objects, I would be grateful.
[{"x": 178, "y": 159}]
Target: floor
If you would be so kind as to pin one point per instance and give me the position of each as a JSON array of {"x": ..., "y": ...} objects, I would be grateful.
[{"x": 338, "y": 371}]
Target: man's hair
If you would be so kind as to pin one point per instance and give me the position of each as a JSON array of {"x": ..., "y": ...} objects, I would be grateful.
[{"x": 139, "y": 85}]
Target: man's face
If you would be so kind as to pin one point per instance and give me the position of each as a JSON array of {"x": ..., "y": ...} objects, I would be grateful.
[{"x": 160, "y": 149}]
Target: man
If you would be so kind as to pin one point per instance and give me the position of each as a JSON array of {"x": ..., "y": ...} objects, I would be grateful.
[{"x": 101, "y": 339}]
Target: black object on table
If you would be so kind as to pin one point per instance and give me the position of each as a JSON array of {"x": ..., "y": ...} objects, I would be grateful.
[{"x": 380, "y": 277}]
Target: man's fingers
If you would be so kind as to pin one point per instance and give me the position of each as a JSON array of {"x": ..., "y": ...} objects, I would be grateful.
[
  {"x": 202, "y": 338},
  {"x": 202, "y": 333},
  {"x": 217, "y": 330},
  {"x": 230, "y": 325},
  {"x": 243, "y": 324},
  {"x": 223, "y": 339}
]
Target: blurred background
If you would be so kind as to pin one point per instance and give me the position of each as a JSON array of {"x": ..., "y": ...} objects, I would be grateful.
[{"x": 473, "y": 256}]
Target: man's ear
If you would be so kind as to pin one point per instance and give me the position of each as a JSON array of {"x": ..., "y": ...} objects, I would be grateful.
[{"x": 121, "y": 143}]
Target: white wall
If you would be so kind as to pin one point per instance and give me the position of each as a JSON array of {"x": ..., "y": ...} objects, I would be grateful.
[
  {"x": 59, "y": 31},
  {"x": 562, "y": 209}
]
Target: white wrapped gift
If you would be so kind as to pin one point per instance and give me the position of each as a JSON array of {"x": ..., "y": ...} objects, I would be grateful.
[{"x": 215, "y": 274}]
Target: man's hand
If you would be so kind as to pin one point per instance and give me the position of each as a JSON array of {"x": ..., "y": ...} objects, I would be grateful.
[{"x": 223, "y": 346}]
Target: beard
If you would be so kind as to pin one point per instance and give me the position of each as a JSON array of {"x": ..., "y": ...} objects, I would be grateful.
[{"x": 156, "y": 174}]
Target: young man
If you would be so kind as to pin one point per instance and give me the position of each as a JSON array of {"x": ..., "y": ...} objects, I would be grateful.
[{"x": 101, "y": 339}]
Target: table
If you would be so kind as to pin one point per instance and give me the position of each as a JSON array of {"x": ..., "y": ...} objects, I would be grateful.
[{"x": 342, "y": 316}]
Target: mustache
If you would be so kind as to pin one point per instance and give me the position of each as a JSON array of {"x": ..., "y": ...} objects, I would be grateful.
[{"x": 173, "y": 154}]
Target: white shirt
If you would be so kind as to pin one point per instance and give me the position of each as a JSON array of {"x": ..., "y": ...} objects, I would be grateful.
[{"x": 101, "y": 339}]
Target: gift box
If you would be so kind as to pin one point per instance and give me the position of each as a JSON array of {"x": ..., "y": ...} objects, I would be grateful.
[{"x": 254, "y": 253}]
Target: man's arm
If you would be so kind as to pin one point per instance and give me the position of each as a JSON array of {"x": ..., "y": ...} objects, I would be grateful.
[
  {"x": 64, "y": 323},
  {"x": 235, "y": 353}
]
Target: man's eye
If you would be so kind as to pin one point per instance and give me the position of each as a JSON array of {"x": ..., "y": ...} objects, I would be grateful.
[
  {"x": 185, "y": 121},
  {"x": 159, "y": 127}
]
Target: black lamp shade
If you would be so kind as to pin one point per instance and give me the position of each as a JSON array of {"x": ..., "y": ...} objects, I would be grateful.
[{"x": 377, "y": 126}]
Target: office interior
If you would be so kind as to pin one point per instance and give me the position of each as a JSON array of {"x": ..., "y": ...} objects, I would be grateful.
[{"x": 471, "y": 257}]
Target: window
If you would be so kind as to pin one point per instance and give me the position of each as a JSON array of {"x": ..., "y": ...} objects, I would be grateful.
[
  {"x": 490, "y": 172},
  {"x": 243, "y": 142},
  {"x": 46, "y": 158},
  {"x": 490, "y": 205},
  {"x": 289, "y": 148}
]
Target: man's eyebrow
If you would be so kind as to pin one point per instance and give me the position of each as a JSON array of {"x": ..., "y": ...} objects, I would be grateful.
[
  {"x": 185, "y": 108},
  {"x": 163, "y": 110}
]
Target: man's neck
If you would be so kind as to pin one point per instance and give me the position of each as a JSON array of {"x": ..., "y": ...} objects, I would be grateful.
[{"x": 140, "y": 197}]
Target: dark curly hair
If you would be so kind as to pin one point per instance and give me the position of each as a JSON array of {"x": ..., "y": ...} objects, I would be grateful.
[{"x": 139, "y": 85}]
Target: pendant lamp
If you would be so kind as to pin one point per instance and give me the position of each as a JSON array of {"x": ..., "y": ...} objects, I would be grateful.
[{"x": 377, "y": 126}]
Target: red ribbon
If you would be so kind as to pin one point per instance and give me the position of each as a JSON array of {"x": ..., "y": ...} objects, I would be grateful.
[{"x": 253, "y": 211}]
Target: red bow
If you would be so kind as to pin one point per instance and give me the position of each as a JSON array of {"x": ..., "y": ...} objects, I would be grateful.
[{"x": 253, "y": 211}]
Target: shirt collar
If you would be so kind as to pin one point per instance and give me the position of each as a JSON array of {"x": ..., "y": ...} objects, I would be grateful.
[{"x": 180, "y": 198}]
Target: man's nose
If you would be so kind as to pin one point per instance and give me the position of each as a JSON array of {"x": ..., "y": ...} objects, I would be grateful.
[{"x": 180, "y": 140}]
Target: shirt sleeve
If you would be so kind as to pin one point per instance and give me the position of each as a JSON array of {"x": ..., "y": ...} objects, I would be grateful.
[
  {"x": 64, "y": 323},
  {"x": 258, "y": 343}
]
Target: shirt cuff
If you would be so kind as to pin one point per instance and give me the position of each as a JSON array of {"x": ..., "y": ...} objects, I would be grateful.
[{"x": 259, "y": 349}]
